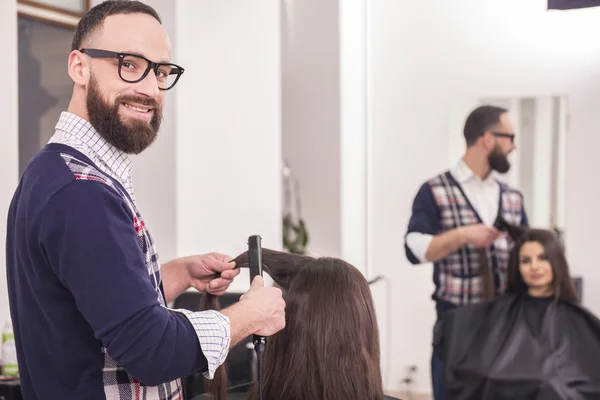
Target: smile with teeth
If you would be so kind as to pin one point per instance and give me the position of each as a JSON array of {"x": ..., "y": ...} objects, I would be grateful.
[{"x": 138, "y": 109}]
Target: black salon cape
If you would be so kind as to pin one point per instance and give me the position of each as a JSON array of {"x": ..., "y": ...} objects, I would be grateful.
[{"x": 517, "y": 347}]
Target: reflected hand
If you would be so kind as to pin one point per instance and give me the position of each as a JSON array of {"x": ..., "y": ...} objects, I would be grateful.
[{"x": 480, "y": 235}]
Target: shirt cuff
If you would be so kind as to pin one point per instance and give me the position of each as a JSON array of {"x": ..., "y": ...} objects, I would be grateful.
[
  {"x": 214, "y": 335},
  {"x": 419, "y": 243}
]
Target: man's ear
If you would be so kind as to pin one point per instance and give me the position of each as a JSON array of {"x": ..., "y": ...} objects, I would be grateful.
[
  {"x": 488, "y": 140},
  {"x": 78, "y": 68}
]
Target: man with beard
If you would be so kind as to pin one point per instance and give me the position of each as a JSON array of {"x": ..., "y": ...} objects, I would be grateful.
[
  {"x": 454, "y": 216},
  {"x": 88, "y": 295}
]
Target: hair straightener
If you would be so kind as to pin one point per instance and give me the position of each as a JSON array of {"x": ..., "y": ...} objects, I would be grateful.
[
  {"x": 514, "y": 231},
  {"x": 260, "y": 342}
]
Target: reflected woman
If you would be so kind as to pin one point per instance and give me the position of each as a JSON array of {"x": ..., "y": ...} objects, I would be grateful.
[{"x": 536, "y": 342}]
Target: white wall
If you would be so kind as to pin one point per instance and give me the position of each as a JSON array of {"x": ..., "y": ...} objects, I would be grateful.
[
  {"x": 541, "y": 211},
  {"x": 354, "y": 144},
  {"x": 311, "y": 115},
  {"x": 561, "y": 165},
  {"x": 424, "y": 56},
  {"x": 324, "y": 114},
  {"x": 9, "y": 137},
  {"x": 582, "y": 197},
  {"x": 526, "y": 145},
  {"x": 228, "y": 125}
]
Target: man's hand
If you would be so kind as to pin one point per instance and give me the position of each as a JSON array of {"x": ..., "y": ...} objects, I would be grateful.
[
  {"x": 260, "y": 311},
  {"x": 480, "y": 235},
  {"x": 267, "y": 304},
  {"x": 201, "y": 270}
]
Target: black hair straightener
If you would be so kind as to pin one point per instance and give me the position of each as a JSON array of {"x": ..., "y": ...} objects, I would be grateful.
[
  {"x": 514, "y": 231},
  {"x": 260, "y": 342}
]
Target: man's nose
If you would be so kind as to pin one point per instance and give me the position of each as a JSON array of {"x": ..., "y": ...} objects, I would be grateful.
[{"x": 148, "y": 86}]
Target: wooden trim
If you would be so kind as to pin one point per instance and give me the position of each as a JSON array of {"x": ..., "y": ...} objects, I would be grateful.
[
  {"x": 59, "y": 10},
  {"x": 46, "y": 15},
  {"x": 47, "y": 20},
  {"x": 50, "y": 14}
]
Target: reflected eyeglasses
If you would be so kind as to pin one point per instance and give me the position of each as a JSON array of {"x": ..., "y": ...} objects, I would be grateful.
[{"x": 510, "y": 136}]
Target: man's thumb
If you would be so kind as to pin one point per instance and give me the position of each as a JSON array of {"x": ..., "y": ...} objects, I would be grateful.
[{"x": 257, "y": 283}]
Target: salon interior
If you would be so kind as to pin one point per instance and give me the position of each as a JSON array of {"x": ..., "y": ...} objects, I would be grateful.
[{"x": 314, "y": 123}]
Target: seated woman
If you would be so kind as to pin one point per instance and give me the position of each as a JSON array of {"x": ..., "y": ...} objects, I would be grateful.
[
  {"x": 329, "y": 348},
  {"x": 535, "y": 342}
]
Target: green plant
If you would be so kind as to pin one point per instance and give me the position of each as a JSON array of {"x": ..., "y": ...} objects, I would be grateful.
[{"x": 295, "y": 235}]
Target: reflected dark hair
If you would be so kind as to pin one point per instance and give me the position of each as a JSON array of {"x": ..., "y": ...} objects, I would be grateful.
[
  {"x": 94, "y": 18},
  {"x": 562, "y": 284},
  {"x": 329, "y": 348},
  {"x": 481, "y": 119},
  {"x": 487, "y": 275}
]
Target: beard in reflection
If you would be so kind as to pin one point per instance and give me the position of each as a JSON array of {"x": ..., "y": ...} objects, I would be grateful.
[
  {"x": 498, "y": 161},
  {"x": 131, "y": 137}
]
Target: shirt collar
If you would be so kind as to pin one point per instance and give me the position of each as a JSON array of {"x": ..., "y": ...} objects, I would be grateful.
[
  {"x": 462, "y": 173},
  {"x": 79, "y": 133}
]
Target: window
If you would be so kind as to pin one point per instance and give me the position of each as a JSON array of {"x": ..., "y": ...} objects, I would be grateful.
[{"x": 45, "y": 32}]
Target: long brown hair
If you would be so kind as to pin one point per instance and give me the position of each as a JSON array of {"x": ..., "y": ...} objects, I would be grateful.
[
  {"x": 218, "y": 385},
  {"x": 329, "y": 348},
  {"x": 562, "y": 284},
  {"x": 483, "y": 257},
  {"x": 281, "y": 267}
]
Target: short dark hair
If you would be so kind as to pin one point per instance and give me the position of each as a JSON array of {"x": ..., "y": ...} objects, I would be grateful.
[
  {"x": 94, "y": 18},
  {"x": 480, "y": 120}
]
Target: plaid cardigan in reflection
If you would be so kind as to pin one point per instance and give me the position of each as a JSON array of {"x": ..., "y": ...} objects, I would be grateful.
[{"x": 458, "y": 275}]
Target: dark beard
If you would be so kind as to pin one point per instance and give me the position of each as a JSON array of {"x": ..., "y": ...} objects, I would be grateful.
[
  {"x": 498, "y": 161},
  {"x": 132, "y": 137}
]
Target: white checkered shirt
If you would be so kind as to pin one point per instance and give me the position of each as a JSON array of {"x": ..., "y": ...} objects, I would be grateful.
[
  {"x": 212, "y": 328},
  {"x": 79, "y": 134}
]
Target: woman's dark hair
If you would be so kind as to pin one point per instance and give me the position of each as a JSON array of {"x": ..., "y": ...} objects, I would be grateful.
[
  {"x": 562, "y": 284},
  {"x": 329, "y": 348},
  {"x": 485, "y": 269}
]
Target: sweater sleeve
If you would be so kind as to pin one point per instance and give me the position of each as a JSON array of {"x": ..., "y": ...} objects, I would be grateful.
[
  {"x": 424, "y": 223},
  {"x": 524, "y": 217},
  {"x": 90, "y": 241}
]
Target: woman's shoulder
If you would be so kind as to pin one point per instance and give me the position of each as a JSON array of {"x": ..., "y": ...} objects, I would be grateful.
[{"x": 386, "y": 397}]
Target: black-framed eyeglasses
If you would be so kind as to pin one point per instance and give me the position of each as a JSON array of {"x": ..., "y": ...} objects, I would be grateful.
[
  {"x": 134, "y": 68},
  {"x": 510, "y": 136}
]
